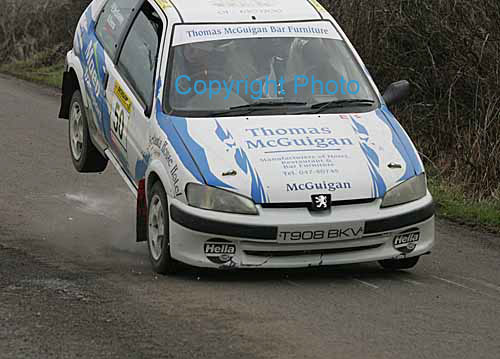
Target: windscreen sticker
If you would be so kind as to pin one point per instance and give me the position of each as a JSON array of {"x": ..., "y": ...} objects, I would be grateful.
[
  {"x": 185, "y": 34},
  {"x": 318, "y": 6},
  {"x": 164, "y": 4},
  {"x": 242, "y": 3}
]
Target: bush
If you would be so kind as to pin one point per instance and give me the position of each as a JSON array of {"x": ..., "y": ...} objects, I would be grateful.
[
  {"x": 28, "y": 28},
  {"x": 450, "y": 52}
]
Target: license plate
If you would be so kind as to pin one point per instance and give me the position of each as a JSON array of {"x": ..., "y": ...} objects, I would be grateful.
[{"x": 325, "y": 233}]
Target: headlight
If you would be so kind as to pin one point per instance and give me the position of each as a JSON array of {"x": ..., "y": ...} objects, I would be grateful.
[
  {"x": 408, "y": 191},
  {"x": 220, "y": 200}
]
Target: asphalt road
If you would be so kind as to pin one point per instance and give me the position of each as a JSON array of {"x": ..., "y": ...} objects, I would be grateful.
[{"x": 73, "y": 284}]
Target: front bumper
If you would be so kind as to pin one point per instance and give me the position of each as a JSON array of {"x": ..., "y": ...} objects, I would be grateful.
[{"x": 220, "y": 240}]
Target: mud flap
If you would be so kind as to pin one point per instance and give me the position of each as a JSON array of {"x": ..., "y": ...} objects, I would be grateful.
[
  {"x": 67, "y": 92},
  {"x": 142, "y": 213}
]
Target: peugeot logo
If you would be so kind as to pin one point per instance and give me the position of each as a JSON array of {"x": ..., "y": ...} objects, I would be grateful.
[{"x": 321, "y": 202}]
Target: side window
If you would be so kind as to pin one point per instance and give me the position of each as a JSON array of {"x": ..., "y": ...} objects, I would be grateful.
[
  {"x": 113, "y": 22},
  {"x": 137, "y": 61}
]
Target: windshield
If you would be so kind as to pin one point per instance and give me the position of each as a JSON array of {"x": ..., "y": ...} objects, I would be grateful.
[{"x": 269, "y": 68}]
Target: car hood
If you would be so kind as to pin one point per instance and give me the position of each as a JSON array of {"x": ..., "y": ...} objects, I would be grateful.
[{"x": 286, "y": 159}]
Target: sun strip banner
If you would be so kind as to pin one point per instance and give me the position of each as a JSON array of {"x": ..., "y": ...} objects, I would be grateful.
[{"x": 185, "y": 34}]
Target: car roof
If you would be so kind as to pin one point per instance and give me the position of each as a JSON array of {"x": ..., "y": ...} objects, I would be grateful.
[{"x": 231, "y": 11}]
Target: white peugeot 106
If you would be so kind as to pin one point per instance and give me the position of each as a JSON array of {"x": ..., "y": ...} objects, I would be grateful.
[{"x": 251, "y": 133}]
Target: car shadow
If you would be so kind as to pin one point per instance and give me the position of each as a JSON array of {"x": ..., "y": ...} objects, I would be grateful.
[{"x": 364, "y": 271}]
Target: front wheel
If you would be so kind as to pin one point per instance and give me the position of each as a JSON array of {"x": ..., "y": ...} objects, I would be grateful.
[
  {"x": 86, "y": 158},
  {"x": 399, "y": 264},
  {"x": 158, "y": 232}
]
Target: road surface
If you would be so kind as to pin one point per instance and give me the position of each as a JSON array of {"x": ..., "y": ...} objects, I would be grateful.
[{"x": 74, "y": 284}]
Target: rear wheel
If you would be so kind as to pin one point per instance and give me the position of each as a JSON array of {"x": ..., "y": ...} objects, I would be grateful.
[
  {"x": 398, "y": 264},
  {"x": 86, "y": 158},
  {"x": 158, "y": 232}
]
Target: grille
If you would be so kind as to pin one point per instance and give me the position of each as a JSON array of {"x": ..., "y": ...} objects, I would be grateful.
[
  {"x": 308, "y": 204},
  {"x": 309, "y": 252}
]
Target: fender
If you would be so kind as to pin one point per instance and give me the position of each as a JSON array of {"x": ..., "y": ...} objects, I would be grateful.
[
  {"x": 155, "y": 171},
  {"x": 70, "y": 84},
  {"x": 72, "y": 59},
  {"x": 73, "y": 63},
  {"x": 157, "y": 167}
]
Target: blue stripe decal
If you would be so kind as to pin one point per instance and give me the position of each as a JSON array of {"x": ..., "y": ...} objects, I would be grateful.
[
  {"x": 378, "y": 184},
  {"x": 167, "y": 127},
  {"x": 198, "y": 153},
  {"x": 241, "y": 160},
  {"x": 93, "y": 61},
  {"x": 165, "y": 123},
  {"x": 258, "y": 192},
  {"x": 371, "y": 154},
  {"x": 359, "y": 128},
  {"x": 92, "y": 53},
  {"x": 403, "y": 144},
  {"x": 141, "y": 166},
  {"x": 174, "y": 128}
]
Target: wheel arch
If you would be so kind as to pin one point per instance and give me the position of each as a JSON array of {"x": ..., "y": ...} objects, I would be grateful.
[
  {"x": 155, "y": 173},
  {"x": 152, "y": 179},
  {"x": 72, "y": 81}
]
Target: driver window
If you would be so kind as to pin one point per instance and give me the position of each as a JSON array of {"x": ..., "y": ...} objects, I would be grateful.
[
  {"x": 113, "y": 22},
  {"x": 137, "y": 61}
]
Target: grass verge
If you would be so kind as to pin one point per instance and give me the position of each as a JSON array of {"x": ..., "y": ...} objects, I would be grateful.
[
  {"x": 28, "y": 70},
  {"x": 452, "y": 204}
]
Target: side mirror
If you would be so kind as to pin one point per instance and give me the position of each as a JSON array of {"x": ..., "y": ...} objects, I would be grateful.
[{"x": 397, "y": 92}]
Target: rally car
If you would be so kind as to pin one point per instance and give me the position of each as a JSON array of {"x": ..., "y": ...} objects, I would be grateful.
[{"x": 250, "y": 132}]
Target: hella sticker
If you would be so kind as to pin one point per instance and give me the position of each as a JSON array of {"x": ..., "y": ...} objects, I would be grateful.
[
  {"x": 406, "y": 242},
  {"x": 219, "y": 251}
]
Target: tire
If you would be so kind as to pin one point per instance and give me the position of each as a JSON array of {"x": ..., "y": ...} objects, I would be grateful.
[
  {"x": 86, "y": 158},
  {"x": 399, "y": 264},
  {"x": 158, "y": 232}
]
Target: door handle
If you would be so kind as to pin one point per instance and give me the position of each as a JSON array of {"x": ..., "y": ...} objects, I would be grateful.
[{"x": 106, "y": 79}]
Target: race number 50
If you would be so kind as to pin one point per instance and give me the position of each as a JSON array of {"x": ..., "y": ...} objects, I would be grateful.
[
  {"x": 122, "y": 105},
  {"x": 119, "y": 122}
]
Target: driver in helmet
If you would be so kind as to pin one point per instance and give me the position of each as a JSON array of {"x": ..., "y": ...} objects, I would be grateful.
[{"x": 204, "y": 61}]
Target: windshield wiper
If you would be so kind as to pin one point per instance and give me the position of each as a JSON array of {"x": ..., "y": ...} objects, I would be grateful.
[
  {"x": 320, "y": 107},
  {"x": 258, "y": 105}
]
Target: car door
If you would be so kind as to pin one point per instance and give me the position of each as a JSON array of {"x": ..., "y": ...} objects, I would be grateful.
[
  {"x": 113, "y": 21},
  {"x": 130, "y": 91}
]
